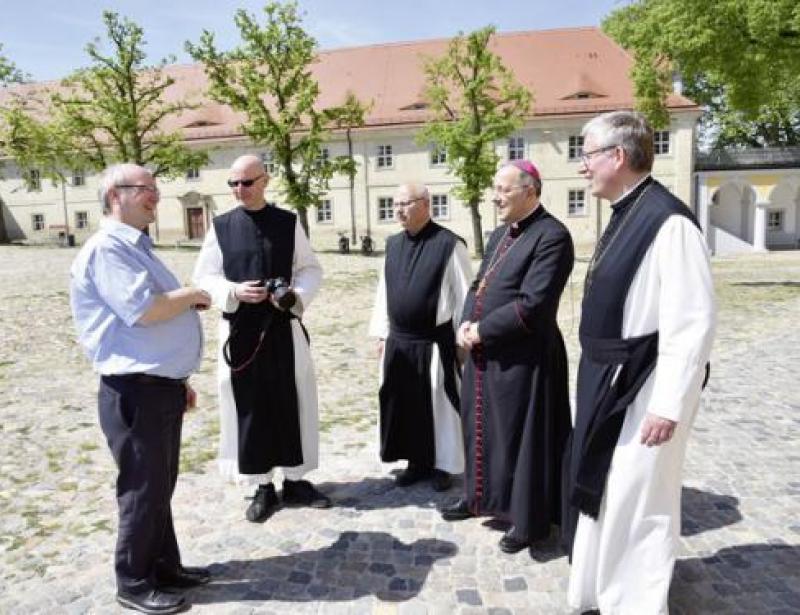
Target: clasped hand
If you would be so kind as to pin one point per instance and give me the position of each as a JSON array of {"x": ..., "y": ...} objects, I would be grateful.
[{"x": 467, "y": 336}]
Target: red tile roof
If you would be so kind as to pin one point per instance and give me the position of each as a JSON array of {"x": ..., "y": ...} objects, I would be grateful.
[{"x": 561, "y": 67}]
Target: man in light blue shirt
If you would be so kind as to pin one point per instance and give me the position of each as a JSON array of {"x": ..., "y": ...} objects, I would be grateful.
[{"x": 138, "y": 326}]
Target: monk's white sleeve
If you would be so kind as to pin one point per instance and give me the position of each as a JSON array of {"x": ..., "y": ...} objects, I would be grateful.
[
  {"x": 379, "y": 322},
  {"x": 306, "y": 271},
  {"x": 209, "y": 276},
  {"x": 686, "y": 317},
  {"x": 459, "y": 277}
]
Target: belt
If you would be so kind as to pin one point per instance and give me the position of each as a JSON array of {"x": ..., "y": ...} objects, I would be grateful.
[{"x": 148, "y": 379}]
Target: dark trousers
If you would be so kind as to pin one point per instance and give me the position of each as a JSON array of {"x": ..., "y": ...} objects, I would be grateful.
[{"x": 142, "y": 424}]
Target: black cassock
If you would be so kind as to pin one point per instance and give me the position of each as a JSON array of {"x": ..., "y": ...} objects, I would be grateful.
[
  {"x": 415, "y": 266},
  {"x": 258, "y": 246},
  {"x": 514, "y": 395}
]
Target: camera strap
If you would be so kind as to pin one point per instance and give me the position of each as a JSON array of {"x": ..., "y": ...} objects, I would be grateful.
[{"x": 265, "y": 325}]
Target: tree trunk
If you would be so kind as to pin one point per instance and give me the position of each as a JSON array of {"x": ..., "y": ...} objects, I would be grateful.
[
  {"x": 352, "y": 178},
  {"x": 3, "y": 231},
  {"x": 477, "y": 231},
  {"x": 302, "y": 214}
]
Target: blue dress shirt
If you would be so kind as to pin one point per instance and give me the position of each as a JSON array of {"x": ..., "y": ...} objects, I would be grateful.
[{"x": 113, "y": 282}]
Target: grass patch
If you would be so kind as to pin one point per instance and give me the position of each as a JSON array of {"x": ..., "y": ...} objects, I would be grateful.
[{"x": 200, "y": 448}]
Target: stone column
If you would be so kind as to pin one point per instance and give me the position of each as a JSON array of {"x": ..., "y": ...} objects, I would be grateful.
[{"x": 760, "y": 226}]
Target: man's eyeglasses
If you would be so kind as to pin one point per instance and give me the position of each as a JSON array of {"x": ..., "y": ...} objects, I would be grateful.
[
  {"x": 587, "y": 156},
  {"x": 408, "y": 202},
  {"x": 508, "y": 189},
  {"x": 143, "y": 187},
  {"x": 244, "y": 183}
]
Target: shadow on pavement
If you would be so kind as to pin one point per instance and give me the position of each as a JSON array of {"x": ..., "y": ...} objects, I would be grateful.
[
  {"x": 751, "y": 578},
  {"x": 357, "y": 564},
  {"x": 702, "y": 511},
  {"x": 379, "y": 493}
]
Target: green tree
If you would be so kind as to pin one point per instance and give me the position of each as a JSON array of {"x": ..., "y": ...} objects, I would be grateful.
[
  {"x": 268, "y": 78},
  {"x": 35, "y": 144},
  {"x": 350, "y": 115},
  {"x": 738, "y": 58},
  {"x": 114, "y": 110},
  {"x": 9, "y": 73},
  {"x": 476, "y": 101}
]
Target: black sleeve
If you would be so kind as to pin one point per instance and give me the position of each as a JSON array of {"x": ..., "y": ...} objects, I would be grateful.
[{"x": 539, "y": 294}]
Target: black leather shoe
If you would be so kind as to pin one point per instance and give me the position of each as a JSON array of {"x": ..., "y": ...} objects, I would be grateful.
[
  {"x": 510, "y": 543},
  {"x": 184, "y": 577},
  {"x": 441, "y": 480},
  {"x": 458, "y": 512},
  {"x": 265, "y": 502},
  {"x": 412, "y": 474},
  {"x": 154, "y": 601},
  {"x": 303, "y": 493}
]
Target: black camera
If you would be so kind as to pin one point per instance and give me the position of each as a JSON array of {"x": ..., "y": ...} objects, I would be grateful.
[{"x": 281, "y": 293}]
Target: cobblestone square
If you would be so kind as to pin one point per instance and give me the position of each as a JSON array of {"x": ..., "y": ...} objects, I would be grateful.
[{"x": 380, "y": 549}]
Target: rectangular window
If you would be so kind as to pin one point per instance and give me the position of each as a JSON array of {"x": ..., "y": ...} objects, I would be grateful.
[
  {"x": 775, "y": 220},
  {"x": 516, "y": 148},
  {"x": 575, "y": 148},
  {"x": 268, "y": 160},
  {"x": 34, "y": 180},
  {"x": 661, "y": 142},
  {"x": 385, "y": 159},
  {"x": 37, "y": 222},
  {"x": 324, "y": 211},
  {"x": 385, "y": 209},
  {"x": 193, "y": 174},
  {"x": 576, "y": 203},
  {"x": 78, "y": 177},
  {"x": 324, "y": 155},
  {"x": 81, "y": 219},
  {"x": 438, "y": 156},
  {"x": 440, "y": 210}
]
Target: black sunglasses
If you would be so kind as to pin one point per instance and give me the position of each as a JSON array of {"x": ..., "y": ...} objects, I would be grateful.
[{"x": 245, "y": 183}]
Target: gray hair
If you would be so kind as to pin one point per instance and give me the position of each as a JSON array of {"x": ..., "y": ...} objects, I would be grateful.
[
  {"x": 630, "y": 131},
  {"x": 113, "y": 176}
]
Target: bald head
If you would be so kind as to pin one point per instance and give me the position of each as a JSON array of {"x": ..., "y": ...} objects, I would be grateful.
[
  {"x": 412, "y": 207},
  {"x": 249, "y": 163},
  {"x": 249, "y": 169}
]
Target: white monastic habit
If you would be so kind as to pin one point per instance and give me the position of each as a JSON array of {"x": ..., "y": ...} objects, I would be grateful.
[
  {"x": 622, "y": 563},
  {"x": 448, "y": 441},
  {"x": 306, "y": 280}
]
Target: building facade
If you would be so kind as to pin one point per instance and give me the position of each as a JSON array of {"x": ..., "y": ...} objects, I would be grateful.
[
  {"x": 748, "y": 200},
  {"x": 573, "y": 75}
]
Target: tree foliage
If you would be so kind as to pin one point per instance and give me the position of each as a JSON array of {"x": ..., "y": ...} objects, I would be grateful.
[
  {"x": 268, "y": 78},
  {"x": 738, "y": 58},
  {"x": 476, "y": 101},
  {"x": 111, "y": 111},
  {"x": 9, "y": 73}
]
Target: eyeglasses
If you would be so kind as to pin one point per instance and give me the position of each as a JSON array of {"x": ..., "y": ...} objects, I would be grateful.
[
  {"x": 507, "y": 189},
  {"x": 244, "y": 183},
  {"x": 142, "y": 187},
  {"x": 587, "y": 156},
  {"x": 408, "y": 202}
]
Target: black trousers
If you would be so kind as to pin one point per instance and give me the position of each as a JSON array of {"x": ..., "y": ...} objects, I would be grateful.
[{"x": 142, "y": 423}]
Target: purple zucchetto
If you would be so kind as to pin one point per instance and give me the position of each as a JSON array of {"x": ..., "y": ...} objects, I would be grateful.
[{"x": 526, "y": 166}]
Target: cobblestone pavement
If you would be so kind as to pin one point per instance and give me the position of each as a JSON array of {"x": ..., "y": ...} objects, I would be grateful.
[{"x": 380, "y": 549}]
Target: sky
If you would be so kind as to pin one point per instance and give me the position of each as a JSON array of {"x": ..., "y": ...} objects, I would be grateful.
[{"x": 47, "y": 38}]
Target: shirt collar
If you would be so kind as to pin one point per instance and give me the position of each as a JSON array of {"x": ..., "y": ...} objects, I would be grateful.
[
  {"x": 518, "y": 227},
  {"x": 126, "y": 232},
  {"x": 625, "y": 197}
]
